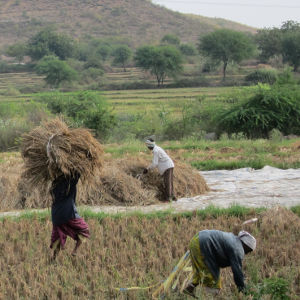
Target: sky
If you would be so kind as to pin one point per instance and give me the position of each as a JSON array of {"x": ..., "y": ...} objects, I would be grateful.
[{"x": 256, "y": 13}]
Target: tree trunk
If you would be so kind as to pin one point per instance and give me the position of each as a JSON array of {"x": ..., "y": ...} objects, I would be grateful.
[{"x": 224, "y": 69}]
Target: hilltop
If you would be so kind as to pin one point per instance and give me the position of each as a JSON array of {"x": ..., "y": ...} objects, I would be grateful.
[{"x": 136, "y": 21}]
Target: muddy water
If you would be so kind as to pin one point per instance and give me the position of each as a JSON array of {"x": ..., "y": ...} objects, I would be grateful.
[{"x": 266, "y": 187}]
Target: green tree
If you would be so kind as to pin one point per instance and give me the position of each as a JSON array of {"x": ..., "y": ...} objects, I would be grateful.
[
  {"x": 17, "y": 50},
  {"x": 161, "y": 61},
  {"x": 86, "y": 109},
  {"x": 284, "y": 41},
  {"x": 56, "y": 71},
  {"x": 291, "y": 48},
  {"x": 104, "y": 51},
  {"x": 188, "y": 50},
  {"x": 121, "y": 55},
  {"x": 48, "y": 42},
  {"x": 269, "y": 43},
  {"x": 171, "y": 39},
  {"x": 226, "y": 46},
  {"x": 275, "y": 107},
  {"x": 93, "y": 61}
]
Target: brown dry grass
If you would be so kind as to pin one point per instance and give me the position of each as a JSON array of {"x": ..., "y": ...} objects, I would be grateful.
[
  {"x": 134, "y": 21},
  {"x": 116, "y": 185},
  {"x": 136, "y": 251},
  {"x": 53, "y": 149}
]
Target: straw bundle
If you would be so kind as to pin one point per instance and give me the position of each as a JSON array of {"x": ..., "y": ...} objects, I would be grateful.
[
  {"x": 120, "y": 185},
  {"x": 53, "y": 149},
  {"x": 187, "y": 181}
]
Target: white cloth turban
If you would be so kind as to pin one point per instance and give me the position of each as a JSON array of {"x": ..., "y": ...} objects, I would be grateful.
[
  {"x": 247, "y": 239},
  {"x": 149, "y": 143}
]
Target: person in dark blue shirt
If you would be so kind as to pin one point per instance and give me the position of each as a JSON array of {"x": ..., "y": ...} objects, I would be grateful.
[
  {"x": 65, "y": 218},
  {"x": 211, "y": 250}
]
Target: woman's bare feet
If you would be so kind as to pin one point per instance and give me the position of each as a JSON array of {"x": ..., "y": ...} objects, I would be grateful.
[
  {"x": 77, "y": 245},
  {"x": 55, "y": 252}
]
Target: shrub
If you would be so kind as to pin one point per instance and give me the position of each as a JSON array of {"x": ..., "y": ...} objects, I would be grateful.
[
  {"x": 16, "y": 119},
  {"x": 262, "y": 76},
  {"x": 276, "y": 287},
  {"x": 10, "y": 132},
  {"x": 277, "y": 107},
  {"x": 187, "y": 49},
  {"x": 55, "y": 70},
  {"x": 86, "y": 109}
]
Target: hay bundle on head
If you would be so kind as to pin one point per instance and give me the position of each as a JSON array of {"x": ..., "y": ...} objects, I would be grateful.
[{"x": 54, "y": 149}]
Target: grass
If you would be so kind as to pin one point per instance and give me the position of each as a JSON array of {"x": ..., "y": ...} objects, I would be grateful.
[
  {"x": 134, "y": 101},
  {"x": 88, "y": 213},
  {"x": 222, "y": 154},
  {"x": 210, "y": 211},
  {"x": 141, "y": 250}
]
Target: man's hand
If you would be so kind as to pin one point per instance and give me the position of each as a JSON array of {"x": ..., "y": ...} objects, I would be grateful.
[{"x": 145, "y": 171}]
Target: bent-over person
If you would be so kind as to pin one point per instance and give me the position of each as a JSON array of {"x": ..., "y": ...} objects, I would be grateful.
[
  {"x": 211, "y": 250},
  {"x": 165, "y": 166},
  {"x": 65, "y": 218}
]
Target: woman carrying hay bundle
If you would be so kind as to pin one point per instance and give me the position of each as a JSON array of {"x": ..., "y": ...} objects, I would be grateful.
[
  {"x": 57, "y": 155},
  {"x": 65, "y": 218}
]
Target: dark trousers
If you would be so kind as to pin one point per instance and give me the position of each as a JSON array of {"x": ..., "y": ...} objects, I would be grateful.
[{"x": 168, "y": 183}]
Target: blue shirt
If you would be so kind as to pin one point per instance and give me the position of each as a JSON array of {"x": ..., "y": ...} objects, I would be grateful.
[
  {"x": 223, "y": 249},
  {"x": 63, "y": 193}
]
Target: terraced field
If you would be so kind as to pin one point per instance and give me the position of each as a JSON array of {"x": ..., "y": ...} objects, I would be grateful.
[{"x": 19, "y": 80}]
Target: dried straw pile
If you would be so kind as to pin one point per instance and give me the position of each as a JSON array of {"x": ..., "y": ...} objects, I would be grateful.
[
  {"x": 118, "y": 184},
  {"x": 279, "y": 228},
  {"x": 53, "y": 149},
  {"x": 75, "y": 149}
]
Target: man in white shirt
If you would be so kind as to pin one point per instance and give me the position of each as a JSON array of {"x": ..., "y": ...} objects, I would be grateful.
[{"x": 165, "y": 166}]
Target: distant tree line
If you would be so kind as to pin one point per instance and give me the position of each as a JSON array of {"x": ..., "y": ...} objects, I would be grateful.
[{"x": 63, "y": 59}]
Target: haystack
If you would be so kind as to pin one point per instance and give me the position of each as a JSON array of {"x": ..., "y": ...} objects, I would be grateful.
[
  {"x": 118, "y": 183},
  {"x": 53, "y": 149}
]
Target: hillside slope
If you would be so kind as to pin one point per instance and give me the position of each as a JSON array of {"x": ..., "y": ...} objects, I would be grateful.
[{"x": 136, "y": 21}]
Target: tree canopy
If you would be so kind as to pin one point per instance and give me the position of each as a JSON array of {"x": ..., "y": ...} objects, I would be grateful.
[
  {"x": 48, "y": 42},
  {"x": 226, "y": 46},
  {"x": 284, "y": 41},
  {"x": 56, "y": 70},
  {"x": 275, "y": 107},
  {"x": 122, "y": 54},
  {"x": 17, "y": 50},
  {"x": 161, "y": 61},
  {"x": 171, "y": 39}
]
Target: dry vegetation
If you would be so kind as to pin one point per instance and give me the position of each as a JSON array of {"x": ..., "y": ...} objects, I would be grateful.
[
  {"x": 135, "y": 21},
  {"x": 116, "y": 185},
  {"x": 53, "y": 149},
  {"x": 137, "y": 251}
]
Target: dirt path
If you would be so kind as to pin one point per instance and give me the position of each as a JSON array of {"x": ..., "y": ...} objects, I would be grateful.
[{"x": 247, "y": 187}]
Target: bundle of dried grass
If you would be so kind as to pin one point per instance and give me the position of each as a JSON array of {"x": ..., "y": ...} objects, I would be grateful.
[
  {"x": 119, "y": 184},
  {"x": 116, "y": 187},
  {"x": 53, "y": 149},
  {"x": 187, "y": 181}
]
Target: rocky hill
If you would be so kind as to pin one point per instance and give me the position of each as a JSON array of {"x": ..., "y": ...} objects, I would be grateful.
[{"x": 136, "y": 21}]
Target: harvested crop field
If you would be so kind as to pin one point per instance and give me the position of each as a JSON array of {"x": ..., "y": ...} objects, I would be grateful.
[
  {"x": 116, "y": 185},
  {"x": 141, "y": 251}
]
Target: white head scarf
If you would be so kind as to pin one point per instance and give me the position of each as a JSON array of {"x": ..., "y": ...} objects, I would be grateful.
[
  {"x": 247, "y": 239},
  {"x": 149, "y": 143}
]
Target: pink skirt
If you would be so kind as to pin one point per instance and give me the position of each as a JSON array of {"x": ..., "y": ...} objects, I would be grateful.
[{"x": 73, "y": 229}]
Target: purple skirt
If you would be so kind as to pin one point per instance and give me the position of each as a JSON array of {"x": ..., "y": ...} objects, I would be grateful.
[{"x": 73, "y": 228}]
